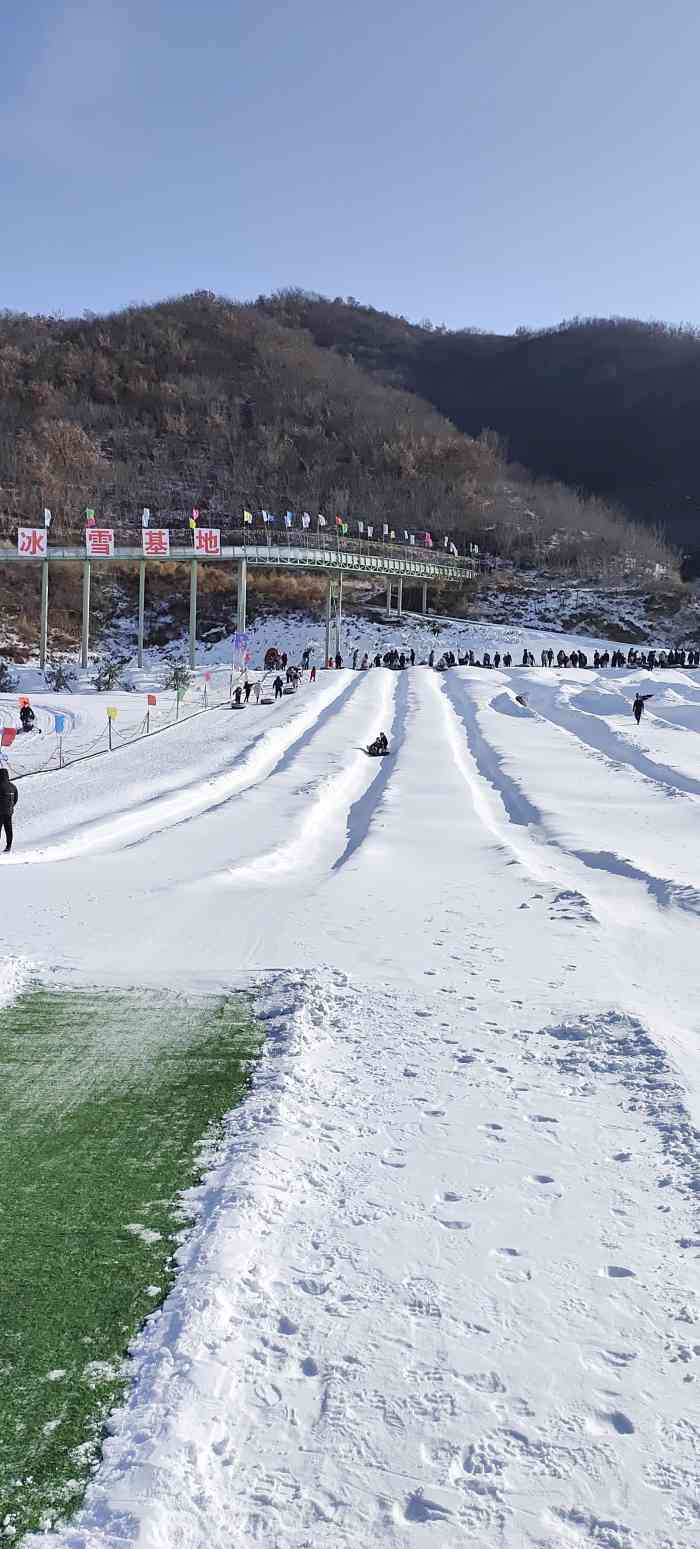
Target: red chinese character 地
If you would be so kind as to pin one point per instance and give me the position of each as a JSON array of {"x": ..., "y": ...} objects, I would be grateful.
[
  {"x": 207, "y": 540},
  {"x": 31, "y": 540},
  {"x": 156, "y": 540},
  {"x": 100, "y": 541}
]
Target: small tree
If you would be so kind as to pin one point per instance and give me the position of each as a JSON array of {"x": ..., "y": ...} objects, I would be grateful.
[
  {"x": 8, "y": 680},
  {"x": 59, "y": 677},
  {"x": 179, "y": 676},
  {"x": 107, "y": 674}
]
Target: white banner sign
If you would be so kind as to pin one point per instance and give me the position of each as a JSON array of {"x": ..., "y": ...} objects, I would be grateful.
[
  {"x": 99, "y": 542},
  {"x": 156, "y": 541},
  {"x": 32, "y": 540}
]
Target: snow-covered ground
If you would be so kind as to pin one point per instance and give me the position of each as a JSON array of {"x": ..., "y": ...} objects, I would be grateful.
[{"x": 443, "y": 1289}]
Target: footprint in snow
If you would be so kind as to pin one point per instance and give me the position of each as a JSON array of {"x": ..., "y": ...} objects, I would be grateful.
[
  {"x": 394, "y": 1158},
  {"x": 419, "y": 1509}
]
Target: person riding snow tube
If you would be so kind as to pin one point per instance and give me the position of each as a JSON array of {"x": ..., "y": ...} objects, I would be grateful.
[{"x": 379, "y": 746}]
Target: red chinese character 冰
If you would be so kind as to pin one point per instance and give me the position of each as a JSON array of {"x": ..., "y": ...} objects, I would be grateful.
[{"x": 31, "y": 541}]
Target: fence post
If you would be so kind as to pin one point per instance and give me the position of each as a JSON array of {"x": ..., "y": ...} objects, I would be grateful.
[
  {"x": 329, "y": 604},
  {"x": 85, "y": 638},
  {"x": 399, "y": 596},
  {"x": 142, "y": 602},
  {"x": 241, "y": 595},
  {"x": 339, "y": 614},
  {"x": 44, "y": 627},
  {"x": 424, "y": 599},
  {"x": 193, "y": 611}
]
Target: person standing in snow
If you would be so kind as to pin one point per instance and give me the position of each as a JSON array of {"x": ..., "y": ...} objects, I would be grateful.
[
  {"x": 638, "y": 705},
  {"x": 413, "y": 657},
  {"x": 338, "y": 660},
  {"x": 312, "y": 676},
  {"x": 8, "y": 802},
  {"x": 278, "y": 687},
  {"x": 355, "y": 655},
  {"x": 247, "y": 686}
]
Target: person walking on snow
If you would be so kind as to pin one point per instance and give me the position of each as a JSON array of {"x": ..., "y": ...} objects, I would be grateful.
[
  {"x": 278, "y": 687},
  {"x": 638, "y": 705},
  {"x": 8, "y": 802},
  {"x": 355, "y": 655},
  {"x": 247, "y": 686}
]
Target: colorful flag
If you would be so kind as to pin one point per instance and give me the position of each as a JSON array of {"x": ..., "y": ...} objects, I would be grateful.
[
  {"x": 288, "y": 518},
  {"x": 248, "y": 518},
  {"x": 194, "y": 518},
  {"x": 89, "y": 516},
  {"x": 8, "y": 736},
  {"x": 344, "y": 529},
  {"x": 59, "y": 723},
  {"x": 151, "y": 700}
]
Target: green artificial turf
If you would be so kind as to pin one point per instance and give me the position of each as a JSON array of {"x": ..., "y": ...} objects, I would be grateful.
[{"x": 106, "y": 1100}]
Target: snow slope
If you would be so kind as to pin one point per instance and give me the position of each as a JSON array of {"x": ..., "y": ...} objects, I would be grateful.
[{"x": 444, "y": 1287}]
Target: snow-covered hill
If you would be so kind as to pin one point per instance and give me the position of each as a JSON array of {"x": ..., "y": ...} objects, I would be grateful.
[{"x": 443, "y": 1287}]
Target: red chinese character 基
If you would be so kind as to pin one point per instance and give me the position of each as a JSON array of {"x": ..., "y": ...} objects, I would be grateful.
[{"x": 156, "y": 540}]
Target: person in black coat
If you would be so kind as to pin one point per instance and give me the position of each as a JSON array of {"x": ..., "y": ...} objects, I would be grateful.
[
  {"x": 638, "y": 706},
  {"x": 8, "y": 802},
  {"x": 278, "y": 687}
]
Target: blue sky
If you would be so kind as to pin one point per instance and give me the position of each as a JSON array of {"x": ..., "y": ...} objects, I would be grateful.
[{"x": 485, "y": 164}]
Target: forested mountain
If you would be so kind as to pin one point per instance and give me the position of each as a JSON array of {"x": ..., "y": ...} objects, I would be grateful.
[
  {"x": 291, "y": 402},
  {"x": 608, "y": 405}
]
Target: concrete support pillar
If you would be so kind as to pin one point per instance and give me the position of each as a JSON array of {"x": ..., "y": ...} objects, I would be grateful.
[
  {"x": 242, "y": 595},
  {"x": 329, "y": 607},
  {"x": 399, "y": 596},
  {"x": 424, "y": 600},
  {"x": 44, "y": 626},
  {"x": 142, "y": 608},
  {"x": 339, "y": 616},
  {"x": 193, "y": 612},
  {"x": 85, "y": 637},
  {"x": 388, "y": 595}
]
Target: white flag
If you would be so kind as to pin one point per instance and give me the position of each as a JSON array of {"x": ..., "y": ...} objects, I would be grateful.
[
  {"x": 47, "y": 517},
  {"x": 360, "y": 527},
  {"x": 453, "y": 549},
  {"x": 385, "y": 529},
  {"x": 405, "y": 536},
  {"x": 413, "y": 538},
  {"x": 370, "y": 532},
  {"x": 305, "y": 519},
  {"x": 265, "y": 516},
  {"x": 321, "y": 520},
  {"x": 145, "y": 517}
]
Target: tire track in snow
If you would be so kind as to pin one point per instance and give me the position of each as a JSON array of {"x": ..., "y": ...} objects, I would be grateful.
[
  {"x": 521, "y": 812},
  {"x": 329, "y": 796},
  {"x": 255, "y": 762},
  {"x": 364, "y": 810},
  {"x": 615, "y": 750}
]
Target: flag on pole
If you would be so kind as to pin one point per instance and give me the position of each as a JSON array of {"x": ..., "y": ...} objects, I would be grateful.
[
  {"x": 248, "y": 518},
  {"x": 453, "y": 549},
  {"x": 145, "y": 517},
  {"x": 305, "y": 520},
  {"x": 412, "y": 539},
  {"x": 89, "y": 516},
  {"x": 265, "y": 517},
  {"x": 344, "y": 529},
  {"x": 405, "y": 536},
  {"x": 194, "y": 518},
  {"x": 321, "y": 520},
  {"x": 446, "y": 542},
  {"x": 288, "y": 518},
  {"x": 8, "y": 736},
  {"x": 360, "y": 527},
  {"x": 47, "y": 517},
  {"x": 392, "y": 535},
  {"x": 370, "y": 532},
  {"x": 385, "y": 530}
]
